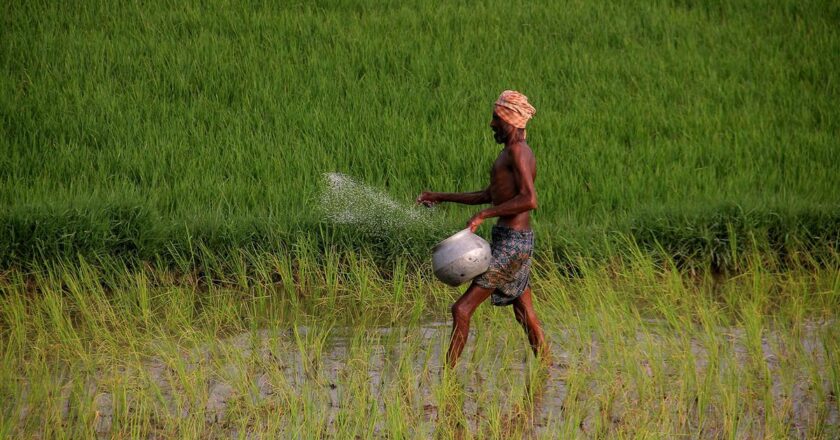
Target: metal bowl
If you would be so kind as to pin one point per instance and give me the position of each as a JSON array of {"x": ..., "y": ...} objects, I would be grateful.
[{"x": 460, "y": 258}]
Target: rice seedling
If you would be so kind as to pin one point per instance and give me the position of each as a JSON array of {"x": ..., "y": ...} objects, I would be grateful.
[{"x": 632, "y": 359}]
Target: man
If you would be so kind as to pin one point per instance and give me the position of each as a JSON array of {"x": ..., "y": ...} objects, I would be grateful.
[{"x": 512, "y": 196}]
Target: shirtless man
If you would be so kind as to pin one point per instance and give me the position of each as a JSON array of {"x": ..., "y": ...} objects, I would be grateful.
[{"x": 512, "y": 196}]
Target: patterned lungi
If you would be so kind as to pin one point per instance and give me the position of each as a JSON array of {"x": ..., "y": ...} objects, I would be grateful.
[{"x": 510, "y": 266}]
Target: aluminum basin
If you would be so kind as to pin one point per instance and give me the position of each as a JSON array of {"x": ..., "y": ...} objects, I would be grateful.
[{"x": 460, "y": 258}]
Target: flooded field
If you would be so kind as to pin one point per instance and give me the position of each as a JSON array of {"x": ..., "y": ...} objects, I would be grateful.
[
  {"x": 373, "y": 382},
  {"x": 637, "y": 352}
]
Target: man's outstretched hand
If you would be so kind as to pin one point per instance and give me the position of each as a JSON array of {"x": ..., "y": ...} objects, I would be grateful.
[
  {"x": 475, "y": 222},
  {"x": 427, "y": 198}
]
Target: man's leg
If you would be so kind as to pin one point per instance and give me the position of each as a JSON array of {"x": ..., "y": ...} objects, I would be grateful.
[
  {"x": 462, "y": 311},
  {"x": 523, "y": 309}
]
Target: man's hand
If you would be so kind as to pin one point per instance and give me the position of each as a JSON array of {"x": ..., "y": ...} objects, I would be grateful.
[
  {"x": 427, "y": 199},
  {"x": 475, "y": 221}
]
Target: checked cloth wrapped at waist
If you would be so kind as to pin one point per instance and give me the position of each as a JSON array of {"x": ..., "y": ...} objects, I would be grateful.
[{"x": 510, "y": 267}]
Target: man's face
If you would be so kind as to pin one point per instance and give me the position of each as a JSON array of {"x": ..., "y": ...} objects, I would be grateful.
[{"x": 500, "y": 129}]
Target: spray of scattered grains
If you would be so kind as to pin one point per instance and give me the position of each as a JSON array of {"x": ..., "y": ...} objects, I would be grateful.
[{"x": 343, "y": 200}]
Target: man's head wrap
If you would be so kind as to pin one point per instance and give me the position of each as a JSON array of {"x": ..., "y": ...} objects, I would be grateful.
[{"x": 513, "y": 108}]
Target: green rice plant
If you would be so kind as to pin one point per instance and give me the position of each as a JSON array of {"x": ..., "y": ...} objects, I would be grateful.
[
  {"x": 209, "y": 126},
  {"x": 642, "y": 349}
]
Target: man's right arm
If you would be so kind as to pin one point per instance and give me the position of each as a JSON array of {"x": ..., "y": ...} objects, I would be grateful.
[{"x": 468, "y": 198}]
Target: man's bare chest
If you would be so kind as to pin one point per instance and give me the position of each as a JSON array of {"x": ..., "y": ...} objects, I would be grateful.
[
  {"x": 502, "y": 167},
  {"x": 502, "y": 179}
]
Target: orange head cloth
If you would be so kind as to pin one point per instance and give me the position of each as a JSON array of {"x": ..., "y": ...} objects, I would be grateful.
[{"x": 513, "y": 108}]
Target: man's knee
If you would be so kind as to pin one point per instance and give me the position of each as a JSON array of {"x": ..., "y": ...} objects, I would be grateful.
[{"x": 461, "y": 311}]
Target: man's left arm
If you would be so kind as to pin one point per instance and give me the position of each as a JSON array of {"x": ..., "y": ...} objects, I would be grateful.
[{"x": 525, "y": 200}]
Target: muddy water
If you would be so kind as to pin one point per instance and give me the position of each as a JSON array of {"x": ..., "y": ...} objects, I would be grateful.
[{"x": 340, "y": 369}]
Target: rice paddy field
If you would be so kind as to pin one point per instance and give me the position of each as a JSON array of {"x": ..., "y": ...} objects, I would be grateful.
[{"x": 169, "y": 267}]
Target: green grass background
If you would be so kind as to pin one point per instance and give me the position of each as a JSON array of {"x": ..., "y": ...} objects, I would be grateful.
[{"x": 143, "y": 127}]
